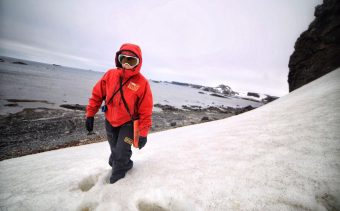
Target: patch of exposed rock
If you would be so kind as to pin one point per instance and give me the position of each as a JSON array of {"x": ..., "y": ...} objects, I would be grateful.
[
  {"x": 35, "y": 130},
  {"x": 317, "y": 50}
]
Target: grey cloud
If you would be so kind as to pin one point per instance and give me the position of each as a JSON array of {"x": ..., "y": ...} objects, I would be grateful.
[{"x": 247, "y": 43}]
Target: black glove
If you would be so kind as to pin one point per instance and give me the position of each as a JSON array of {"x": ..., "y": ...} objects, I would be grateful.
[
  {"x": 89, "y": 124},
  {"x": 142, "y": 142}
]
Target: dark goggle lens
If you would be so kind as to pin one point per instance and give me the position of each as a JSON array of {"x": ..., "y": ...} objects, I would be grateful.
[{"x": 131, "y": 60}]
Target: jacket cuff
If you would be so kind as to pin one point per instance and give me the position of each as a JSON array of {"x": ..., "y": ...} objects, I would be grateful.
[
  {"x": 89, "y": 113},
  {"x": 144, "y": 132}
]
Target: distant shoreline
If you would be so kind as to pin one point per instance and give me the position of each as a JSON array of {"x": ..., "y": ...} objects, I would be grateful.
[{"x": 42, "y": 106}]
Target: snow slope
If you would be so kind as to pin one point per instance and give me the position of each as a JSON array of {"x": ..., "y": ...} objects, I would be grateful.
[{"x": 282, "y": 156}]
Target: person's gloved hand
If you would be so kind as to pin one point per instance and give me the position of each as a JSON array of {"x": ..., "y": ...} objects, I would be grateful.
[
  {"x": 142, "y": 142},
  {"x": 89, "y": 124}
]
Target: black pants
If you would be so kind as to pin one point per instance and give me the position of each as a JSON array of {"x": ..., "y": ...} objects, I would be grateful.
[{"x": 120, "y": 139}]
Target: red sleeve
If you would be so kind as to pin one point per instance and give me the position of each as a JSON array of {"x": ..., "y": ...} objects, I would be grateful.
[
  {"x": 145, "y": 111},
  {"x": 98, "y": 93}
]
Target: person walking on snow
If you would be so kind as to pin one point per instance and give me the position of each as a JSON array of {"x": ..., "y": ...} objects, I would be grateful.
[{"x": 127, "y": 97}]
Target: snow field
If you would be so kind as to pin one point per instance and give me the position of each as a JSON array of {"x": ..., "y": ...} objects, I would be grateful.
[{"x": 282, "y": 156}]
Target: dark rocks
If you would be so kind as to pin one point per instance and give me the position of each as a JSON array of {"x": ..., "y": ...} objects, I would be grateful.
[
  {"x": 192, "y": 107},
  {"x": 201, "y": 93},
  {"x": 12, "y": 104},
  {"x": 251, "y": 99},
  {"x": 218, "y": 95},
  {"x": 269, "y": 99},
  {"x": 191, "y": 114},
  {"x": 41, "y": 129},
  {"x": 173, "y": 124},
  {"x": 214, "y": 109},
  {"x": 187, "y": 84},
  {"x": 226, "y": 90},
  {"x": 74, "y": 106},
  {"x": 166, "y": 107},
  {"x": 28, "y": 101},
  {"x": 209, "y": 89},
  {"x": 245, "y": 109},
  {"x": 253, "y": 94},
  {"x": 217, "y": 109},
  {"x": 221, "y": 90},
  {"x": 317, "y": 50},
  {"x": 205, "y": 119},
  {"x": 196, "y": 86},
  {"x": 22, "y": 63},
  {"x": 168, "y": 119},
  {"x": 35, "y": 130},
  {"x": 1, "y": 60},
  {"x": 329, "y": 201},
  {"x": 180, "y": 83}
]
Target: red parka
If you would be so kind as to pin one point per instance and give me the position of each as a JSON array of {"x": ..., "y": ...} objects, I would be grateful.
[{"x": 137, "y": 94}]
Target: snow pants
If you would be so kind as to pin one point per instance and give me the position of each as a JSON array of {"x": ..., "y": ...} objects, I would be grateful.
[{"x": 120, "y": 139}]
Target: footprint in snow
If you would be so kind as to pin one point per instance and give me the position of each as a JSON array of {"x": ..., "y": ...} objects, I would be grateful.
[{"x": 90, "y": 181}]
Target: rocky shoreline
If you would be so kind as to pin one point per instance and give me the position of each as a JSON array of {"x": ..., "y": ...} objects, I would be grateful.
[{"x": 35, "y": 130}]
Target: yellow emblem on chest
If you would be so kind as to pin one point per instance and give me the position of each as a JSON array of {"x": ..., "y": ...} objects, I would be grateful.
[
  {"x": 133, "y": 86},
  {"x": 128, "y": 140}
]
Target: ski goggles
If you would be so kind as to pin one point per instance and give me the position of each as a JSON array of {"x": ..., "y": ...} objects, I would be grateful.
[{"x": 131, "y": 60}]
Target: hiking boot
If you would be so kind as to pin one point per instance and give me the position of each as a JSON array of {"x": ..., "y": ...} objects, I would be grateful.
[
  {"x": 129, "y": 166},
  {"x": 111, "y": 160},
  {"x": 116, "y": 176},
  {"x": 120, "y": 173}
]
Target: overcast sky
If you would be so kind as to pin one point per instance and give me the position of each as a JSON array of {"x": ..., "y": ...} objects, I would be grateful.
[{"x": 245, "y": 44}]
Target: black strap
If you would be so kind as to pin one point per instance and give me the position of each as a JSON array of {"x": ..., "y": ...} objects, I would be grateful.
[
  {"x": 121, "y": 85},
  {"x": 123, "y": 98}
]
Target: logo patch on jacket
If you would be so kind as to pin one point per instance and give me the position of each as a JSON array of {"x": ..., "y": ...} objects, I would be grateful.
[
  {"x": 128, "y": 140},
  {"x": 133, "y": 86}
]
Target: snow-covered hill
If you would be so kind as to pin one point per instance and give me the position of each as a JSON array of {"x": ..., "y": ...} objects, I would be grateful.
[{"x": 281, "y": 156}]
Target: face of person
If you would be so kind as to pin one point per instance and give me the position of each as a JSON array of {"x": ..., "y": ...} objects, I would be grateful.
[{"x": 127, "y": 66}]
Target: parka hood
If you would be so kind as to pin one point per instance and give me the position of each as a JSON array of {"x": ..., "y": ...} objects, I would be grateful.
[{"x": 134, "y": 49}]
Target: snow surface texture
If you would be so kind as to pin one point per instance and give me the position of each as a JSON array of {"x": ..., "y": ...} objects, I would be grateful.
[
  {"x": 282, "y": 156},
  {"x": 60, "y": 85}
]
